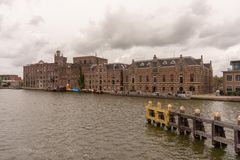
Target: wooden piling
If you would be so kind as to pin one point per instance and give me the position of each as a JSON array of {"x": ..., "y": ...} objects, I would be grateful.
[
  {"x": 217, "y": 136},
  {"x": 237, "y": 137},
  {"x": 218, "y": 132},
  {"x": 183, "y": 125},
  {"x": 172, "y": 119},
  {"x": 198, "y": 125}
]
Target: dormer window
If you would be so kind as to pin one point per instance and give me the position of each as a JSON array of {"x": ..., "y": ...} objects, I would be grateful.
[
  {"x": 148, "y": 64},
  {"x": 172, "y": 62},
  {"x": 41, "y": 62},
  {"x": 164, "y": 62},
  {"x": 142, "y": 64}
]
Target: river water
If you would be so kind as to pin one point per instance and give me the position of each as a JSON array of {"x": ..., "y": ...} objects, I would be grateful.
[{"x": 38, "y": 125}]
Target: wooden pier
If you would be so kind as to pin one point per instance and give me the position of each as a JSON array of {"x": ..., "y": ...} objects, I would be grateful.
[{"x": 180, "y": 121}]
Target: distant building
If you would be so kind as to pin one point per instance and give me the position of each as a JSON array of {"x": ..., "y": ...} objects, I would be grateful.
[
  {"x": 105, "y": 77},
  {"x": 10, "y": 81},
  {"x": 231, "y": 78},
  {"x": 169, "y": 76},
  {"x": 59, "y": 74}
]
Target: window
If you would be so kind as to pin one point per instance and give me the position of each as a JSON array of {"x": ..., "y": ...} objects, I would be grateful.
[
  {"x": 229, "y": 77},
  {"x": 172, "y": 89},
  {"x": 164, "y": 78},
  {"x": 140, "y": 78},
  {"x": 126, "y": 78},
  {"x": 191, "y": 77},
  {"x": 172, "y": 77},
  {"x": 142, "y": 64},
  {"x": 163, "y": 88},
  {"x": 154, "y": 64},
  {"x": 192, "y": 88},
  {"x": 172, "y": 62},
  {"x": 181, "y": 68},
  {"x": 147, "y": 79},
  {"x": 155, "y": 79},
  {"x": 132, "y": 80},
  {"x": 229, "y": 88},
  {"x": 237, "y": 77},
  {"x": 147, "y": 88},
  {"x": 181, "y": 79},
  {"x": 238, "y": 89}
]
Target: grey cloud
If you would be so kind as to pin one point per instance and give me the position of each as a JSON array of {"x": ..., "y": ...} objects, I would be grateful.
[
  {"x": 200, "y": 7},
  {"x": 6, "y": 2},
  {"x": 28, "y": 52},
  {"x": 124, "y": 30},
  {"x": 36, "y": 20},
  {"x": 221, "y": 36}
]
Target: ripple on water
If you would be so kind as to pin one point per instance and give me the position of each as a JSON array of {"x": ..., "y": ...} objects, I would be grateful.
[{"x": 45, "y": 125}]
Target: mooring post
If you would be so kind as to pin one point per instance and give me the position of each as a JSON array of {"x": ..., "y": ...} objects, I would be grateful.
[
  {"x": 171, "y": 118},
  {"x": 159, "y": 107},
  {"x": 198, "y": 124},
  {"x": 237, "y": 136},
  {"x": 182, "y": 121},
  {"x": 217, "y": 131}
]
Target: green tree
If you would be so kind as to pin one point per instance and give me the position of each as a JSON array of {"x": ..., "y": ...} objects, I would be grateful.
[
  {"x": 218, "y": 83},
  {"x": 81, "y": 79}
]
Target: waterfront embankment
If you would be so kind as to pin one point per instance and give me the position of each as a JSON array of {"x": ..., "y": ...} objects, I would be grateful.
[
  {"x": 211, "y": 97},
  {"x": 216, "y": 98}
]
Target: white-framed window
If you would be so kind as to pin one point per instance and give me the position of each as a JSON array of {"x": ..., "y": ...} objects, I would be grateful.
[
  {"x": 172, "y": 62},
  {"x": 237, "y": 77},
  {"x": 142, "y": 64},
  {"x": 229, "y": 77}
]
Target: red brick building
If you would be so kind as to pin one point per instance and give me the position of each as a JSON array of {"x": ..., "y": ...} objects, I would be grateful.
[
  {"x": 58, "y": 74},
  {"x": 169, "y": 75},
  {"x": 105, "y": 77}
]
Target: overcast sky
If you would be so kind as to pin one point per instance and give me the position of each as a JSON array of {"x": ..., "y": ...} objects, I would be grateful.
[{"x": 120, "y": 30}]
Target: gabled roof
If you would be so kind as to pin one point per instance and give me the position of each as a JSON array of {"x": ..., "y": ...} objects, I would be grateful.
[
  {"x": 167, "y": 62},
  {"x": 143, "y": 64}
]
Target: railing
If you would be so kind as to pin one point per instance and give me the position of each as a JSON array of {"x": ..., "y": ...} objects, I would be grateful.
[{"x": 180, "y": 121}]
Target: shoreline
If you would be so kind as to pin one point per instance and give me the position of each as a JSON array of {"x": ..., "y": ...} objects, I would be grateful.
[
  {"x": 209, "y": 97},
  {"x": 216, "y": 98}
]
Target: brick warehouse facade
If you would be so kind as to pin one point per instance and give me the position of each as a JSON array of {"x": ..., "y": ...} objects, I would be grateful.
[
  {"x": 105, "y": 77},
  {"x": 60, "y": 73},
  {"x": 170, "y": 75}
]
